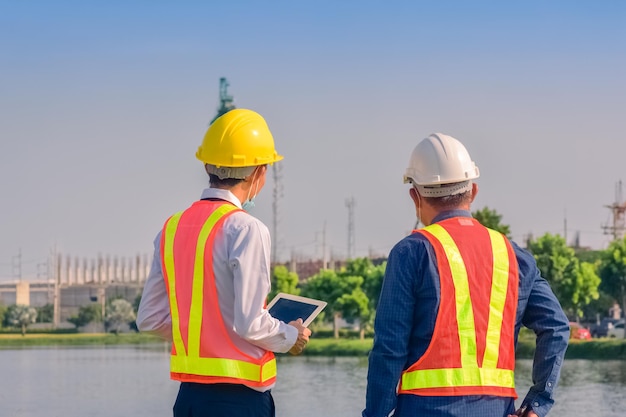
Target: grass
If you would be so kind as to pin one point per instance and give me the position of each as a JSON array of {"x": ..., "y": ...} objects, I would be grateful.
[
  {"x": 75, "y": 339},
  {"x": 597, "y": 349},
  {"x": 338, "y": 347}
]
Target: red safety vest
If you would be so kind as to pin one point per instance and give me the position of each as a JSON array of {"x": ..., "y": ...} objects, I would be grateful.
[
  {"x": 472, "y": 350},
  {"x": 202, "y": 350}
]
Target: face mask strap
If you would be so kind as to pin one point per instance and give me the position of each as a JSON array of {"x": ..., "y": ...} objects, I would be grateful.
[
  {"x": 249, "y": 203},
  {"x": 419, "y": 208}
]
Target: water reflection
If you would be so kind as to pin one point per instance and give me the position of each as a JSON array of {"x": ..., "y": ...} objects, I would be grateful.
[
  {"x": 120, "y": 381},
  {"x": 604, "y": 372}
]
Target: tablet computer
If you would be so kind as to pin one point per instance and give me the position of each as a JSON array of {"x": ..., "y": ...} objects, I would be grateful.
[{"x": 288, "y": 307}]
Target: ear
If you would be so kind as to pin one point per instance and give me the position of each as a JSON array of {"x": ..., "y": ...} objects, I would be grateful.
[
  {"x": 474, "y": 191},
  {"x": 414, "y": 196},
  {"x": 254, "y": 174},
  {"x": 259, "y": 171}
]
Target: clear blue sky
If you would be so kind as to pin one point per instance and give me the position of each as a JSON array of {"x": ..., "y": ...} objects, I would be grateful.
[{"x": 102, "y": 107}]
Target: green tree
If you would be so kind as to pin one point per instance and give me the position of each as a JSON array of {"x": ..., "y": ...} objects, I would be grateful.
[
  {"x": 491, "y": 219},
  {"x": 328, "y": 286},
  {"x": 21, "y": 316},
  {"x": 45, "y": 313},
  {"x": 119, "y": 312},
  {"x": 613, "y": 271},
  {"x": 351, "y": 293},
  {"x": 283, "y": 281},
  {"x": 355, "y": 306},
  {"x": 574, "y": 283},
  {"x": 3, "y": 312},
  {"x": 90, "y": 313},
  {"x": 136, "y": 303},
  {"x": 585, "y": 289},
  {"x": 599, "y": 308},
  {"x": 591, "y": 256},
  {"x": 372, "y": 283}
]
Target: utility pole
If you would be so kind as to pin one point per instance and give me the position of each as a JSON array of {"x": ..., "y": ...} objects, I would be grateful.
[
  {"x": 617, "y": 227},
  {"x": 565, "y": 225},
  {"x": 277, "y": 194},
  {"x": 350, "y": 204},
  {"x": 102, "y": 298},
  {"x": 42, "y": 270},
  {"x": 324, "y": 255},
  {"x": 17, "y": 265},
  {"x": 57, "y": 290}
]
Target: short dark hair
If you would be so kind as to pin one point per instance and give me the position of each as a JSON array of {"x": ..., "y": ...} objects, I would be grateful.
[
  {"x": 450, "y": 201},
  {"x": 218, "y": 182}
]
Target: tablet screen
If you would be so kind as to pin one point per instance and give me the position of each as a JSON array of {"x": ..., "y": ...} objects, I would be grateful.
[{"x": 287, "y": 307}]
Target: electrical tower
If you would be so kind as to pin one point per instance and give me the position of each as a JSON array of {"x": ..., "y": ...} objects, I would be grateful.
[
  {"x": 17, "y": 265},
  {"x": 277, "y": 194},
  {"x": 350, "y": 203},
  {"x": 617, "y": 226},
  {"x": 226, "y": 101}
]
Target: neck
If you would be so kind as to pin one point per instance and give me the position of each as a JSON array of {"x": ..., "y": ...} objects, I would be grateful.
[
  {"x": 431, "y": 213},
  {"x": 240, "y": 192}
]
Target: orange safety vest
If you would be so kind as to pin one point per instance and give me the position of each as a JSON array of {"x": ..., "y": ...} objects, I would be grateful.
[
  {"x": 472, "y": 349},
  {"x": 202, "y": 350}
]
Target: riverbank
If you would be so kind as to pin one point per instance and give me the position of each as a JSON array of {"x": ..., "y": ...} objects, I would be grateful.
[
  {"x": 75, "y": 339},
  {"x": 600, "y": 349},
  {"x": 597, "y": 349}
]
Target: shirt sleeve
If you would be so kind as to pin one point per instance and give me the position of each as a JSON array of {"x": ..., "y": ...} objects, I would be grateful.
[
  {"x": 392, "y": 330},
  {"x": 153, "y": 315},
  {"x": 249, "y": 261},
  {"x": 544, "y": 315}
]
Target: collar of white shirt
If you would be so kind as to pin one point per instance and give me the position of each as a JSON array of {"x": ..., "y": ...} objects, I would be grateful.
[{"x": 221, "y": 194}]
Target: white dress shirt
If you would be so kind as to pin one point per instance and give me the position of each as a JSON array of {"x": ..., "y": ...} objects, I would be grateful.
[{"x": 241, "y": 265}]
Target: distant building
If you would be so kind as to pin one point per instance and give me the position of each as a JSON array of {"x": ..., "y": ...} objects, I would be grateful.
[{"x": 309, "y": 267}]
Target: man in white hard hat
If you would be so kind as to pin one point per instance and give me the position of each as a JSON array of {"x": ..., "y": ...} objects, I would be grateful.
[
  {"x": 210, "y": 279},
  {"x": 454, "y": 297}
]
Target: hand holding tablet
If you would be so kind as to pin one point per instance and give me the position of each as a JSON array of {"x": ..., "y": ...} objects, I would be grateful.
[{"x": 288, "y": 307}]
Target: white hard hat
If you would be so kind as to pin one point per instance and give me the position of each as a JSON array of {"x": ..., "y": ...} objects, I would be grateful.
[{"x": 440, "y": 166}]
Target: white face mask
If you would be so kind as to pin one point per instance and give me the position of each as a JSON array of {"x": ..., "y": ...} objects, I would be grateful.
[{"x": 249, "y": 203}]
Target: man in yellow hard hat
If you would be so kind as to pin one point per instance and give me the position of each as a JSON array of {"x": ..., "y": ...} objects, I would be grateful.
[
  {"x": 454, "y": 297},
  {"x": 210, "y": 277}
]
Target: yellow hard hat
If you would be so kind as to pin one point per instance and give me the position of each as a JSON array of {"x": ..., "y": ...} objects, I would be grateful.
[{"x": 239, "y": 138}]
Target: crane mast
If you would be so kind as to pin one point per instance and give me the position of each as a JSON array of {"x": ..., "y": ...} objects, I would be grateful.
[{"x": 226, "y": 101}]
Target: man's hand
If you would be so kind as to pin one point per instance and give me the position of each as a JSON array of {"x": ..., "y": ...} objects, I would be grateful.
[
  {"x": 303, "y": 337},
  {"x": 523, "y": 412}
]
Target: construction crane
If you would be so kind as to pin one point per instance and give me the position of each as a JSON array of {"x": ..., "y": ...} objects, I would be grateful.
[{"x": 226, "y": 101}]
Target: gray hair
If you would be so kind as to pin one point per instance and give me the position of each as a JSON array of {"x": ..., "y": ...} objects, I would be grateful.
[
  {"x": 444, "y": 190},
  {"x": 450, "y": 201}
]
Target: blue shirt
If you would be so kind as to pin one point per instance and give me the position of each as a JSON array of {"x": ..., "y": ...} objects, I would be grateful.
[{"x": 405, "y": 321}]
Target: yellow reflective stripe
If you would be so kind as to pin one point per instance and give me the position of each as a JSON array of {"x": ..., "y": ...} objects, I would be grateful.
[
  {"x": 499, "y": 287},
  {"x": 464, "y": 312},
  {"x": 269, "y": 370},
  {"x": 197, "y": 292},
  {"x": 168, "y": 261},
  {"x": 458, "y": 377},
  {"x": 229, "y": 368}
]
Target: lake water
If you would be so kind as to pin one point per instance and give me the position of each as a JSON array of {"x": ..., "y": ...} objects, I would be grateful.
[{"x": 134, "y": 381}]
